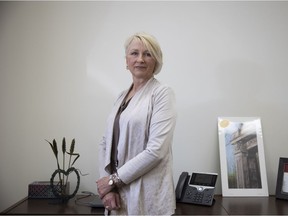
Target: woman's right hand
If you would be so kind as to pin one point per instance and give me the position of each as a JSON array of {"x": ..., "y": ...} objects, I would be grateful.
[{"x": 111, "y": 201}]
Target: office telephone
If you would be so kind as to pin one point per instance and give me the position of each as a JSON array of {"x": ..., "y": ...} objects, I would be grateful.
[{"x": 197, "y": 188}]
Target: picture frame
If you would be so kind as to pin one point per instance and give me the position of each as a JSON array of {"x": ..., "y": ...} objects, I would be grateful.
[
  {"x": 282, "y": 179},
  {"x": 242, "y": 160}
]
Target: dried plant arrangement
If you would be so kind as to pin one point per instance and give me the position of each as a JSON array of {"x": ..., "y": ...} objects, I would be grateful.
[{"x": 61, "y": 188}]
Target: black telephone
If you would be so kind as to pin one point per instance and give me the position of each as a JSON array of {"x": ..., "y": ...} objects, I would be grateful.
[{"x": 197, "y": 188}]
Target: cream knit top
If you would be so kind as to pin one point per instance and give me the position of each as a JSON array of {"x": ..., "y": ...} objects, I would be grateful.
[{"x": 144, "y": 150}]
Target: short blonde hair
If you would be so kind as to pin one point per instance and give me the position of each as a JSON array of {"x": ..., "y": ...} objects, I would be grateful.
[{"x": 151, "y": 44}]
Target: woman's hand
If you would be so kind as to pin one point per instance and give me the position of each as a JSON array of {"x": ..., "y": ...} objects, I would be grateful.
[
  {"x": 111, "y": 201},
  {"x": 103, "y": 186}
]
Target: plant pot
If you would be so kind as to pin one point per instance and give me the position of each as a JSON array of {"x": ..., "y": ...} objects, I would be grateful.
[{"x": 60, "y": 188}]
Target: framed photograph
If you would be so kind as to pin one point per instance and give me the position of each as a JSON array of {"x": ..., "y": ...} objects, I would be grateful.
[
  {"x": 282, "y": 179},
  {"x": 243, "y": 169}
]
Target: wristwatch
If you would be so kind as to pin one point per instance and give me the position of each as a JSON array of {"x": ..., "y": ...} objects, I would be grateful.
[
  {"x": 111, "y": 181},
  {"x": 115, "y": 180}
]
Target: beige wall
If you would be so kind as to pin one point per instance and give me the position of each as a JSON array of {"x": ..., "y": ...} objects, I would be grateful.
[{"x": 62, "y": 64}]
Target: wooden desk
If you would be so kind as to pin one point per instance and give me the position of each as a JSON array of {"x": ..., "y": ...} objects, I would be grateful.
[
  {"x": 50, "y": 206},
  {"x": 254, "y": 205},
  {"x": 222, "y": 206},
  {"x": 190, "y": 209}
]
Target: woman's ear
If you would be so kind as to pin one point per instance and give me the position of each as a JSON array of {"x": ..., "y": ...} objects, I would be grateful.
[{"x": 126, "y": 64}]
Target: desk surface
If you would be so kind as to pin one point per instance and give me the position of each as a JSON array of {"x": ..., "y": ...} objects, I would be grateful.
[
  {"x": 52, "y": 206},
  {"x": 254, "y": 205},
  {"x": 222, "y": 206}
]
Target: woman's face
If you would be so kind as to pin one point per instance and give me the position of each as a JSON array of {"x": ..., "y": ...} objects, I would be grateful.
[{"x": 139, "y": 60}]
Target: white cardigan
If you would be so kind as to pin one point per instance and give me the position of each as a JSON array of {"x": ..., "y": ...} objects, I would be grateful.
[{"x": 144, "y": 150}]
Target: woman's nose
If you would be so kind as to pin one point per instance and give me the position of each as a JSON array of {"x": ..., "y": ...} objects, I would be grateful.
[{"x": 140, "y": 58}]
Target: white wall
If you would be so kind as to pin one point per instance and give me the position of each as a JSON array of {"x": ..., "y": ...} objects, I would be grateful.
[{"x": 62, "y": 64}]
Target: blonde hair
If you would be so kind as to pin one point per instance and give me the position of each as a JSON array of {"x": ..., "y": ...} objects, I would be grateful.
[{"x": 151, "y": 44}]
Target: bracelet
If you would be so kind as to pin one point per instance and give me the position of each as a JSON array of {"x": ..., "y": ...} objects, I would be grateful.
[{"x": 114, "y": 179}]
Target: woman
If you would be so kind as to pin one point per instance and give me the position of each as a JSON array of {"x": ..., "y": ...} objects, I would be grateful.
[{"x": 135, "y": 154}]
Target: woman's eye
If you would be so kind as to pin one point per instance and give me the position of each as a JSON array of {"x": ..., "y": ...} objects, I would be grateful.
[
  {"x": 147, "y": 54},
  {"x": 134, "y": 53}
]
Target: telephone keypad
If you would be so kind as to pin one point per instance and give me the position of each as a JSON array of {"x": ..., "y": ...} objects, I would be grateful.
[{"x": 199, "y": 196}]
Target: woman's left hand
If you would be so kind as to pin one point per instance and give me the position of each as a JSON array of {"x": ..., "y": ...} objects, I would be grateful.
[{"x": 103, "y": 186}]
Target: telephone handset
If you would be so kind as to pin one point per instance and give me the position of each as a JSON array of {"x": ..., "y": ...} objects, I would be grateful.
[
  {"x": 197, "y": 188},
  {"x": 181, "y": 185}
]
